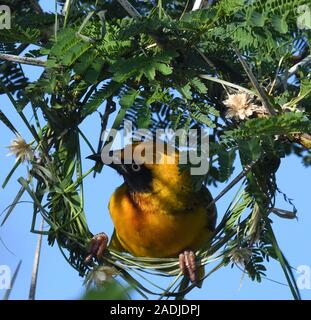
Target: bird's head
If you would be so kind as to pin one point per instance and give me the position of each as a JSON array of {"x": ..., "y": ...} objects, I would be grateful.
[{"x": 148, "y": 166}]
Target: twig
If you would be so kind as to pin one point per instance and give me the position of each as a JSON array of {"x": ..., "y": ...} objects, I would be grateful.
[
  {"x": 23, "y": 60},
  {"x": 6, "y": 247},
  {"x": 236, "y": 180},
  {"x": 284, "y": 213},
  {"x": 34, "y": 275},
  {"x": 205, "y": 58},
  {"x": 293, "y": 70},
  {"x": 211, "y": 64},
  {"x": 261, "y": 93},
  {"x": 66, "y": 7},
  {"x": 304, "y": 62},
  {"x": 8, "y": 291},
  {"x": 226, "y": 83},
  {"x": 66, "y": 11},
  {"x": 129, "y": 9},
  {"x": 276, "y": 75},
  {"x": 197, "y": 5},
  {"x": 104, "y": 121},
  {"x": 36, "y": 6}
]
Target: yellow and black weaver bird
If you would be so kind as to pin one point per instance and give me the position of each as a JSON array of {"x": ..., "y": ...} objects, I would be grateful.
[{"x": 155, "y": 211}]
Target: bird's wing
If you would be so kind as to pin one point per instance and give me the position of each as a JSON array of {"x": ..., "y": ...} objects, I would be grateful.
[{"x": 115, "y": 244}]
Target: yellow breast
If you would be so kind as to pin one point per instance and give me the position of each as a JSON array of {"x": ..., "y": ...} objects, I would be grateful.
[{"x": 157, "y": 230}]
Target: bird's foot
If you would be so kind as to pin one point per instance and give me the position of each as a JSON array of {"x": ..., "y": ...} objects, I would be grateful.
[
  {"x": 97, "y": 246},
  {"x": 188, "y": 265}
]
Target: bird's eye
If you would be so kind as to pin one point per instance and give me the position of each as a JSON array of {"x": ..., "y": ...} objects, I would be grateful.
[{"x": 135, "y": 167}]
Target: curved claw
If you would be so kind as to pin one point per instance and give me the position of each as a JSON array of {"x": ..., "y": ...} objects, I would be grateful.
[
  {"x": 188, "y": 266},
  {"x": 97, "y": 246}
]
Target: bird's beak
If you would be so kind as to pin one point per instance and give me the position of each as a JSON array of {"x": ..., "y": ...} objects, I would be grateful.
[
  {"x": 96, "y": 157},
  {"x": 120, "y": 168}
]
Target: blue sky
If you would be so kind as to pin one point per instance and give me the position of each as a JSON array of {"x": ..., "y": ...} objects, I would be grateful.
[{"x": 57, "y": 280}]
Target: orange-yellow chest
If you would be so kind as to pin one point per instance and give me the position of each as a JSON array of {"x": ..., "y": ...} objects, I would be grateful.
[{"x": 158, "y": 230}]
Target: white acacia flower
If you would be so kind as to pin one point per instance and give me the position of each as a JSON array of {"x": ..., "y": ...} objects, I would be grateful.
[
  {"x": 240, "y": 256},
  {"x": 21, "y": 149},
  {"x": 103, "y": 274},
  {"x": 240, "y": 106}
]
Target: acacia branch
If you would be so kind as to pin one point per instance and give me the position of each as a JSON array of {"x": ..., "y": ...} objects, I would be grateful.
[
  {"x": 236, "y": 180},
  {"x": 261, "y": 93},
  {"x": 34, "y": 275},
  {"x": 23, "y": 60},
  {"x": 293, "y": 70},
  {"x": 129, "y": 9},
  {"x": 197, "y": 5}
]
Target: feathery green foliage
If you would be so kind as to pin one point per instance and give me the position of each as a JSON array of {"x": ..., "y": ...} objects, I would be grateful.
[{"x": 172, "y": 68}]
